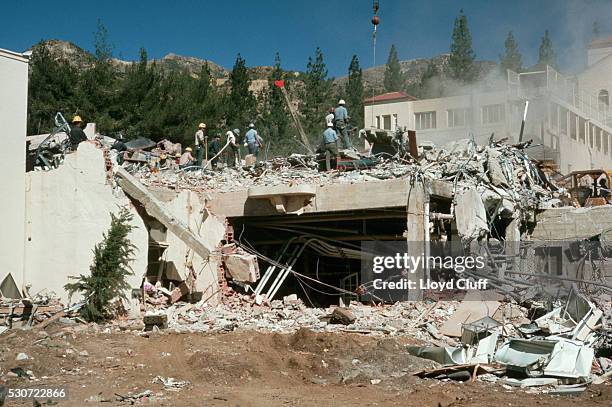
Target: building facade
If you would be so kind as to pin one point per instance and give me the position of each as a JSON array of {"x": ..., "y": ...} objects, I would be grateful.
[{"x": 569, "y": 118}]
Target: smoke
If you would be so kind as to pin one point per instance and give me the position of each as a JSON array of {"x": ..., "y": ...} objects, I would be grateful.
[
  {"x": 576, "y": 31},
  {"x": 490, "y": 79}
]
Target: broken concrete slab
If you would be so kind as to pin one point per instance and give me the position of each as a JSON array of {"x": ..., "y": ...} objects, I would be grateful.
[
  {"x": 242, "y": 267},
  {"x": 157, "y": 209},
  {"x": 572, "y": 223},
  {"x": 468, "y": 311},
  {"x": 470, "y": 214}
]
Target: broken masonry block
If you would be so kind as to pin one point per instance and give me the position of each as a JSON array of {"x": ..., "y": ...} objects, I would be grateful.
[
  {"x": 342, "y": 316},
  {"x": 159, "y": 320}
]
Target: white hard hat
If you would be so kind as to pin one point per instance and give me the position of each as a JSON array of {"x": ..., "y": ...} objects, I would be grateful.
[
  {"x": 330, "y": 124},
  {"x": 251, "y": 125},
  {"x": 341, "y": 102}
]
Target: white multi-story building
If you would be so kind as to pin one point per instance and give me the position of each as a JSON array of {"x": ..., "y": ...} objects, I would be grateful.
[{"x": 569, "y": 118}]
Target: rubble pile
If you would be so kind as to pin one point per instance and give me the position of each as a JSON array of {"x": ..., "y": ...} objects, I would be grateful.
[
  {"x": 501, "y": 168},
  {"x": 40, "y": 310},
  {"x": 420, "y": 320},
  {"x": 556, "y": 350}
]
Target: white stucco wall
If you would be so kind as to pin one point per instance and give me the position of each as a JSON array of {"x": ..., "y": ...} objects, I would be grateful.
[
  {"x": 13, "y": 117},
  {"x": 67, "y": 211},
  {"x": 443, "y": 134},
  {"x": 597, "y": 77},
  {"x": 595, "y": 55}
]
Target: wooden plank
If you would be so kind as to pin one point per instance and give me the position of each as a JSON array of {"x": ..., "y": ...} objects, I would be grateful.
[{"x": 50, "y": 320}]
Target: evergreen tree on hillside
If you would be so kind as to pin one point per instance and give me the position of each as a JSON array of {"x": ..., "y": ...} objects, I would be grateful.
[
  {"x": 52, "y": 87},
  {"x": 512, "y": 58},
  {"x": 393, "y": 74},
  {"x": 275, "y": 114},
  {"x": 241, "y": 102},
  {"x": 596, "y": 29},
  {"x": 138, "y": 95},
  {"x": 430, "y": 85},
  {"x": 354, "y": 92},
  {"x": 547, "y": 54},
  {"x": 316, "y": 96},
  {"x": 461, "y": 62},
  {"x": 97, "y": 91},
  {"x": 205, "y": 106}
]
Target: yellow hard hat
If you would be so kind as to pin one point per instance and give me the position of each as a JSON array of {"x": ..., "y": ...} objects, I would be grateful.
[
  {"x": 162, "y": 156},
  {"x": 177, "y": 155},
  {"x": 188, "y": 149},
  {"x": 77, "y": 119},
  {"x": 202, "y": 125}
]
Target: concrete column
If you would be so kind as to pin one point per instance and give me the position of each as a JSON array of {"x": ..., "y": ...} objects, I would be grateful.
[
  {"x": 13, "y": 116},
  {"x": 417, "y": 245}
]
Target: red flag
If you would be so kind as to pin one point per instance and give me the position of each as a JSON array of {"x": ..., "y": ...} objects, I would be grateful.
[{"x": 279, "y": 84}]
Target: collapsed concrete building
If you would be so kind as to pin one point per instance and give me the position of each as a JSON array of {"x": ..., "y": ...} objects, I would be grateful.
[{"x": 195, "y": 230}]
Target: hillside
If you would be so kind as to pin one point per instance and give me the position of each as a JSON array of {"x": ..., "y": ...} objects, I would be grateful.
[
  {"x": 412, "y": 70},
  {"x": 373, "y": 77}
]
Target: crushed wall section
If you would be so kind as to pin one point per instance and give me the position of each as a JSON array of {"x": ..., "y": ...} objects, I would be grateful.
[
  {"x": 188, "y": 207},
  {"x": 67, "y": 211}
]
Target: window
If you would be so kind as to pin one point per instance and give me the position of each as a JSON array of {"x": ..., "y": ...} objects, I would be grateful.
[
  {"x": 554, "y": 116},
  {"x": 425, "y": 120},
  {"x": 563, "y": 120},
  {"x": 394, "y": 124},
  {"x": 492, "y": 114},
  {"x": 378, "y": 122},
  {"x": 387, "y": 122},
  {"x": 603, "y": 98},
  {"x": 572, "y": 122},
  {"x": 458, "y": 117}
]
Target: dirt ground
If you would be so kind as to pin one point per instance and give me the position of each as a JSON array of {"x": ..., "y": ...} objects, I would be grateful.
[{"x": 246, "y": 369}]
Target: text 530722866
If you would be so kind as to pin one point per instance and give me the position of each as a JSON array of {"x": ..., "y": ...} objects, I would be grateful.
[{"x": 37, "y": 393}]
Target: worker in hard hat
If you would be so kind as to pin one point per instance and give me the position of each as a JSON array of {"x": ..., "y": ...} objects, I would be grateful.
[
  {"x": 341, "y": 119},
  {"x": 187, "y": 159},
  {"x": 330, "y": 116},
  {"x": 77, "y": 134},
  {"x": 162, "y": 164},
  {"x": 330, "y": 145},
  {"x": 233, "y": 147},
  {"x": 201, "y": 140},
  {"x": 253, "y": 140},
  {"x": 214, "y": 148}
]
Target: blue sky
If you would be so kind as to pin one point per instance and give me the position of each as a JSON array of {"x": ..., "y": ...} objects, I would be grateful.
[{"x": 218, "y": 30}]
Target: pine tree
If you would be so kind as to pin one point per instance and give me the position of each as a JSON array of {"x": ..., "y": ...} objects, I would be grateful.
[
  {"x": 241, "y": 102},
  {"x": 461, "y": 61},
  {"x": 512, "y": 59},
  {"x": 110, "y": 268},
  {"x": 354, "y": 92},
  {"x": 430, "y": 85},
  {"x": 547, "y": 54},
  {"x": 137, "y": 96},
  {"x": 97, "y": 97},
  {"x": 276, "y": 116},
  {"x": 52, "y": 87},
  {"x": 596, "y": 30},
  {"x": 316, "y": 96},
  {"x": 393, "y": 74}
]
